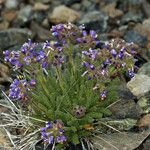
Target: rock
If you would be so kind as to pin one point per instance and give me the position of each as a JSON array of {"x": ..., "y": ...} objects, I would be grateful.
[
  {"x": 13, "y": 36},
  {"x": 124, "y": 93},
  {"x": 11, "y": 4},
  {"x": 125, "y": 109},
  {"x": 42, "y": 33},
  {"x": 146, "y": 7},
  {"x": 146, "y": 54},
  {"x": 119, "y": 124},
  {"x": 63, "y": 14},
  {"x": 45, "y": 23},
  {"x": 39, "y": 16},
  {"x": 40, "y": 7},
  {"x": 76, "y": 7},
  {"x": 70, "y": 2},
  {"x": 44, "y": 1},
  {"x": 144, "y": 30},
  {"x": 4, "y": 25},
  {"x": 130, "y": 16},
  {"x": 9, "y": 15},
  {"x": 111, "y": 10},
  {"x": 87, "y": 6},
  {"x": 146, "y": 144},
  {"x": 115, "y": 34},
  {"x": 134, "y": 36},
  {"x": 144, "y": 103},
  {"x": 119, "y": 141},
  {"x": 139, "y": 85},
  {"x": 95, "y": 20},
  {"x": 145, "y": 69},
  {"x": 4, "y": 74},
  {"x": 2, "y": 1},
  {"x": 144, "y": 121},
  {"x": 24, "y": 15},
  {"x": 125, "y": 106},
  {"x": 86, "y": 3}
]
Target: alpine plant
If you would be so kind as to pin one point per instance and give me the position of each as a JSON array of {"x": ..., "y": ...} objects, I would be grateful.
[{"x": 67, "y": 82}]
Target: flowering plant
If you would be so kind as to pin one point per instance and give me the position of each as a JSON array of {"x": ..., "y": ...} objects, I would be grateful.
[{"x": 69, "y": 82}]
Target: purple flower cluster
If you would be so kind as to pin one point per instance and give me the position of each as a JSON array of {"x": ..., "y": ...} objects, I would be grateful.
[
  {"x": 18, "y": 88},
  {"x": 25, "y": 56},
  {"x": 115, "y": 56},
  {"x": 79, "y": 111},
  {"x": 53, "y": 132},
  {"x": 103, "y": 94},
  {"x": 70, "y": 33}
]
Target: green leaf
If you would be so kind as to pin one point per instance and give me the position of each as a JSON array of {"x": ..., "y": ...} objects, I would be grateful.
[{"x": 75, "y": 138}]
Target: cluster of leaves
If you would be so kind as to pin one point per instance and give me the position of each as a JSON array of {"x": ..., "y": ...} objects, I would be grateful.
[{"x": 62, "y": 89}]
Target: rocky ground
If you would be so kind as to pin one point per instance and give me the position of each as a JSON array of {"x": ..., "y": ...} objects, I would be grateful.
[{"x": 128, "y": 19}]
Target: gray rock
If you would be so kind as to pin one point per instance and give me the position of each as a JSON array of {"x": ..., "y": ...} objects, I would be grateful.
[
  {"x": 39, "y": 16},
  {"x": 125, "y": 109},
  {"x": 124, "y": 93},
  {"x": 146, "y": 145},
  {"x": 130, "y": 16},
  {"x": 95, "y": 20},
  {"x": 86, "y": 4},
  {"x": 120, "y": 141},
  {"x": 134, "y": 36},
  {"x": 42, "y": 34},
  {"x": 76, "y": 6},
  {"x": 24, "y": 15},
  {"x": 145, "y": 69},
  {"x": 44, "y": 1},
  {"x": 14, "y": 36},
  {"x": 11, "y": 4},
  {"x": 139, "y": 85},
  {"x": 144, "y": 103},
  {"x": 70, "y": 2}
]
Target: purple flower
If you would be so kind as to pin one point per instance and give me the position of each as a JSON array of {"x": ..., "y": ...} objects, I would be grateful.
[
  {"x": 13, "y": 60},
  {"x": 6, "y": 52},
  {"x": 41, "y": 55},
  {"x": 89, "y": 78},
  {"x": 78, "y": 40},
  {"x": 130, "y": 73},
  {"x": 18, "y": 65},
  {"x": 61, "y": 139},
  {"x": 92, "y": 67},
  {"x": 55, "y": 34},
  {"x": 43, "y": 129},
  {"x": 46, "y": 45},
  {"x": 133, "y": 52},
  {"x": 51, "y": 140},
  {"x": 113, "y": 52},
  {"x": 85, "y": 64},
  {"x": 103, "y": 94},
  {"x": 107, "y": 62},
  {"x": 48, "y": 125},
  {"x": 44, "y": 64},
  {"x": 84, "y": 33},
  {"x": 6, "y": 59},
  {"x": 85, "y": 53},
  {"x": 56, "y": 44},
  {"x": 93, "y": 34},
  {"x": 27, "y": 60},
  {"x": 53, "y": 132},
  {"x": 120, "y": 55},
  {"x": 32, "y": 83}
]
